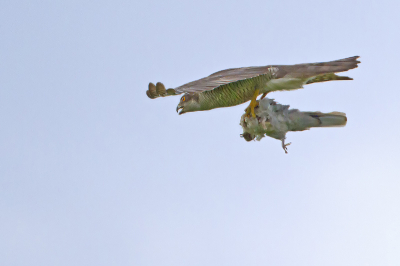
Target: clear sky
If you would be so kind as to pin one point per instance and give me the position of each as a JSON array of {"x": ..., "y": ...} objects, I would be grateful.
[{"x": 92, "y": 172}]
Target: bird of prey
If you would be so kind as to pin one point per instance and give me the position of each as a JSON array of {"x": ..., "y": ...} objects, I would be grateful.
[
  {"x": 275, "y": 120},
  {"x": 235, "y": 86}
]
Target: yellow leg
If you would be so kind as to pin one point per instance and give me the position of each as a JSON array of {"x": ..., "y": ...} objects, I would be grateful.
[{"x": 253, "y": 104}]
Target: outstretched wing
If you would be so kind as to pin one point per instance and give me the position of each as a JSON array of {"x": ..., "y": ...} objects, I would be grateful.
[
  {"x": 211, "y": 82},
  {"x": 315, "y": 72},
  {"x": 311, "y": 71}
]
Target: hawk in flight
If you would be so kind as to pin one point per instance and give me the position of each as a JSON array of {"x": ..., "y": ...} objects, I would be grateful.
[{"x": 235, "y": 86}]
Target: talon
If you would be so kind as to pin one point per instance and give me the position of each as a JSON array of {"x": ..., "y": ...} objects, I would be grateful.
[
  {"x": 284, "y": 146},
  {"x": 253, "y": 103},
  {"x": 248, "y": 111},
  {"x": 253, "y": 114}
]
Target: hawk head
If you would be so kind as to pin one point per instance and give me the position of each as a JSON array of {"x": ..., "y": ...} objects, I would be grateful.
[{"x": 189, "y": 103}]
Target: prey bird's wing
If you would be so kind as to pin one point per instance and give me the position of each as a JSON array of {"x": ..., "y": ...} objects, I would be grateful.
[{"x": 314, "y": 72}]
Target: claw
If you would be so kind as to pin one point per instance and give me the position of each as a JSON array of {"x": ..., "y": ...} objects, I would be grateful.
[
  {"x": 250, "y": 111},
  {"x": 284, "y": 146},
  {"x": 253, "y": 104}
]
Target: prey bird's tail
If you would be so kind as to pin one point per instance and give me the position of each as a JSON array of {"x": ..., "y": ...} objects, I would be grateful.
[
  {"x": 300, "y": 121},
  {"x": 333, "y": 119}
]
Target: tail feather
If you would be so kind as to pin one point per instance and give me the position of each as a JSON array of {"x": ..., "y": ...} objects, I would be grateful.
[
  {"x": 333, "y": 119},
  {"x": 326, "y": 77}
]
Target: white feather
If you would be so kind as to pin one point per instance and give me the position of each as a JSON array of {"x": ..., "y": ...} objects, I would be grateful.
[{"x": 275, "y": 120}]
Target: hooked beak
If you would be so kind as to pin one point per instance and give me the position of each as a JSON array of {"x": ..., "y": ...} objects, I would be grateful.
[{"x": 177, "y": 109}]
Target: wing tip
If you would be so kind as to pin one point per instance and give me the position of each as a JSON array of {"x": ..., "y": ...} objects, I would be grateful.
[
  {"x": 159, "y": 90},
  {"x": 347, "y": 63},
  {"x": 352, "y": 59}
]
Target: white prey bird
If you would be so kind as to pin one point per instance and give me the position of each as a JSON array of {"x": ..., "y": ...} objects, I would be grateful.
[{"x": 275, "y": 120}]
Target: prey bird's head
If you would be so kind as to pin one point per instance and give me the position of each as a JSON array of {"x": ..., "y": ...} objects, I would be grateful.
[
  {"x": 188, "y": 103},
  {"x": 247, "y": 136}
]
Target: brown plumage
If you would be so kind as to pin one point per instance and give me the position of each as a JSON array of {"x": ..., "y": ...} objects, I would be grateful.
[{"x": 237, "y": 85}]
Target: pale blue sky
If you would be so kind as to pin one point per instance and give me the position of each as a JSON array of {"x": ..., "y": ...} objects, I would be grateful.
[{"x": 92, "y": 172}]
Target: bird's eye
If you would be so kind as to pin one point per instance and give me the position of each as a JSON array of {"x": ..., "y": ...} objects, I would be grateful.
[{"x": 183, "y": 98}]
